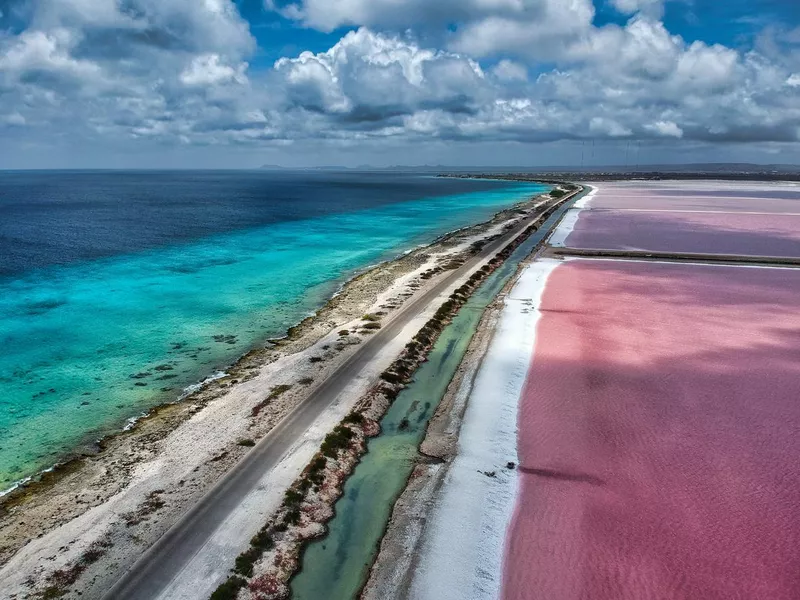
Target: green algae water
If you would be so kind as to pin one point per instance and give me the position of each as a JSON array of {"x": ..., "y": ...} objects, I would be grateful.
[
  {"x": 336, "y": 566},
  {"x": 91, "y": 343}
]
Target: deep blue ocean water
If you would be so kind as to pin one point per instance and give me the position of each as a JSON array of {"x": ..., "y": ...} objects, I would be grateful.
[{"x": 119, "y": 289}]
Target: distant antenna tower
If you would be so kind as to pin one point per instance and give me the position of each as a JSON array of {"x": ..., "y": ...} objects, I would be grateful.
[
  {"x": 583, "y": 147},
  {"x": 638, "y": 153},
  {"x": 627, "y": 149}
]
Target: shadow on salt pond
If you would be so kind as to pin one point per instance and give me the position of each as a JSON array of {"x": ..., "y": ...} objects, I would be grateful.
[{"x": 336, "y": 566}]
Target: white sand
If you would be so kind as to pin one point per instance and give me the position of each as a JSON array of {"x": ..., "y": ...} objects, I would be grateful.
[
  {"x": 206, "y": 435},
  {"x": 462, "y": 547},
  {"x": 209, "y": 567},
  {"x": 564, "y": 229}
]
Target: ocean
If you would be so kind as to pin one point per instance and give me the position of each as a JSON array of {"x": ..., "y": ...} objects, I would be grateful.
[{"x": 120, "y": 289}]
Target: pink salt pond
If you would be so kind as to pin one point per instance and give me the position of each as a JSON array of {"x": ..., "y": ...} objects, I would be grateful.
[
  {"x": 659, "y": 436},
  {"x": 688, "y": 232},
  {"x": 723, "y": 199}
]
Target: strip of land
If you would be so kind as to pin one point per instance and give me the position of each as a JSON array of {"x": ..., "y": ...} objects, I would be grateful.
[
  {"x": 654, "y": 431},
  {"x": 92, "y": 520},
  {"x": 152, "y": 576}
]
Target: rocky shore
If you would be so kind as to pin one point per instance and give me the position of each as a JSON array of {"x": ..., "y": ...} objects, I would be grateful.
[
  {"x": 79, "y": 525},
  {"x": 265, "y": 569},
  {"x": 394, "y": 568}
]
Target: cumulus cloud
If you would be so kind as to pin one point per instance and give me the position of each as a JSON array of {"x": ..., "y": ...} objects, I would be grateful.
[
  {"x": 384, "y": 85},
  {"x": 327, "y": 16},
  {"x": 508, "y": 70},
  {"x": 367, "y": 77},
  {"x": 155, "y": 68},
  {"x": 179, "y": 72},
  {"x": 665, "y": 129},
  {"x": 208, "y": 69}
]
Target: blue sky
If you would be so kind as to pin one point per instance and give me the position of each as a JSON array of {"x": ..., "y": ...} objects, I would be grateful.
[{"x": 240, "y": 83}]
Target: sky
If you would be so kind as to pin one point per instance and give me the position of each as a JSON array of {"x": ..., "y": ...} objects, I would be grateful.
[{"x": 297, "y": 83}]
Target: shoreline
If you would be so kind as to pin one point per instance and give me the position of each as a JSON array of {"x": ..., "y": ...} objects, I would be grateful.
[
  {"x": 482, "y": 479},
  {"x": 404, "y": 555},
  {"x": 121, "y": 459},
  {"x": 311, "y": 501},
  {"x": 270, "y": 342}
]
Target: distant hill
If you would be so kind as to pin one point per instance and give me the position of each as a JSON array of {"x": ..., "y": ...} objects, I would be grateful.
[{"x": 655, "y": 168}]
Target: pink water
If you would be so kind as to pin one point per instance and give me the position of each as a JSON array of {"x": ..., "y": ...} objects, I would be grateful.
[
  {"x": 692, "y": 232},
  {"x": 660, "y": 437},
  {"x": 724, "y": 199}
]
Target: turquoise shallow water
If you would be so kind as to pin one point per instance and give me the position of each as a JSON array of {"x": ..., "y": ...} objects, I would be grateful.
[
  {"x": 337, "y": 566},
  {"x": 90, "y": 345}
]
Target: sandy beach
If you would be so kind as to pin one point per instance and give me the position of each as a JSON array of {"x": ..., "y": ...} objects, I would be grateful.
[
  {"x": 471, "y": 477},
  {"x": 114, "y": 504}
]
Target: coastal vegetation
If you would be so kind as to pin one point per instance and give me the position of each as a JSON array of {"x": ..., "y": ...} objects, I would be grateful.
[
  {"x": 276, "y": 392},
  {"x": 60, "y": 580},
  {"x": 307, "y": 505},
  {"x": 125, "y": 450},
  {"x": 230, "y": 589}
]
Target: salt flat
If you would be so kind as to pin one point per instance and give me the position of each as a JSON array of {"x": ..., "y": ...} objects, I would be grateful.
[{"x": 657, "y": 436}]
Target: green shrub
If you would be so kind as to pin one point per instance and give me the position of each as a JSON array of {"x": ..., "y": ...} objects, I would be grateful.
[
  {"x": 423, "y": 338},
  {"x": 230, "y": 589},
  {"x": 292, "y": 498},
  {"x": 273, "y": 394},
  {"x": 292, "y": 517},
  {"x": 246, "y": 442},
  {"x": 262, "y": 540},
  {"x": 354, "y": 418},
  {"x": 316, "y": 471},
  {"x": 372, "y": 326},
  {"x": 317, "y": 464},
  {"x": 390, "y": 393},
  {"x": 337, "y": 440},
  {"x": 390, "y": 377},
  {"x": 245, "y": 561}
]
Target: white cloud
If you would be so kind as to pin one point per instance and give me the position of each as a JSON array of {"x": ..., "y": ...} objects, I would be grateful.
[
  {"x": 166, "y": 69},
  {"x": 665, "y": 129},
  {"x": 604, "y": 126},
  {"x": 508, "y": 70},
  {"x": 370, "y": 77},
  {"x": 14, "y": 118},
  {"x": 328, "y": 15},
  {"x": 176, "y": 71},
  {"x": 36, "y": 53},
  {"x": 208, "y": 69}
]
